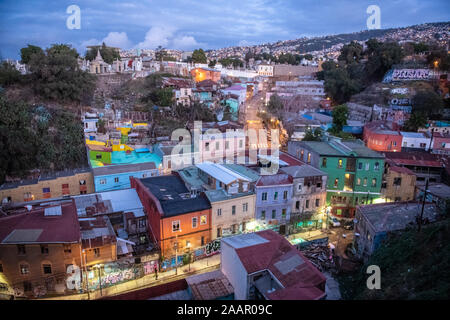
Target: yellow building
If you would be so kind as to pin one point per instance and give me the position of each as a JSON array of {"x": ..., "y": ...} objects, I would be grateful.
[
  {"x": 63, "y": 183},
  {"x": 399, "y": 184},
  {"x": 230, "y": 214}
]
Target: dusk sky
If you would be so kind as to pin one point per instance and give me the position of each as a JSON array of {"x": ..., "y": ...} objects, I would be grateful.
[{"x": 189, "y": 24}]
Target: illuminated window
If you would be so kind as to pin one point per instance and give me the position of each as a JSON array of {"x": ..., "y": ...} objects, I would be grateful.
[
  {"x": 336, "y": 181},
  {"x": 374, "y": 182},
  {"x": 365, "y": 182},
  {"x": 203, "y": 220},
  {"x": 24, "y": 268},
  {"x": 309, "y": 157},
  {"x": 358, "y": 181},
  {"x": 340, "y": 163},
  {"x": 175, "y": 225}
]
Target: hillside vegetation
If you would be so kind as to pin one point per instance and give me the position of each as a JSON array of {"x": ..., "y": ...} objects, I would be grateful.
[{"x": 414, "y": 266}]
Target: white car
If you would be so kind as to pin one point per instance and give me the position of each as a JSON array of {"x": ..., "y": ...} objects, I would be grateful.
[{"x": 334, "y": 222}]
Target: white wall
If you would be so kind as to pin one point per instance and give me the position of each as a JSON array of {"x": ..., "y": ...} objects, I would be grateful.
[{"x": 233, "y": 269}]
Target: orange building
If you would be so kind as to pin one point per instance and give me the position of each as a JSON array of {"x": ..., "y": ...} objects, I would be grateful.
[
  {"x": 201, "y": 74},
  {"x": 179, "y": 221}
]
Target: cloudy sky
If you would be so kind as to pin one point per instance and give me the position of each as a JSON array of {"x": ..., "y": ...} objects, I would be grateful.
[{"x": 189, "y": 24}]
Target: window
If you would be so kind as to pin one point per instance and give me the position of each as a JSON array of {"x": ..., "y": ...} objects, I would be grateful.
[
  {"x": 309, "y": 158},
  {"x": 194, "y": 222},
  {"x": 299, "y": 187},
  {"x": 263, "y": 214},
  {"x": 98, "y": 156},
  {"x": 175, "y": 225},
  {"x": 297, "y": 204},
  {"x": 102, "y": 181},
  {"x": 274, "y": 214},
  {"x": 324, "y": 162},
  {"x": 219, "y": 212},
  {"x": 1, "y": 267},
  {"x": 188, "y": 243},
  {"x": 67, "y": 248},
  {"x": 301, "y": 154},
  {"x": 336, "y": 181},
  {"x": 47, "y": 268},
  {"x": 217, "y": 145},
  {"x": 82, "y": 182},
  {"x": 367, "y": 166},
  {"x": 283, "y": 214},
  {"x": 264, "y": 196},
  {"x": 340, "y": 163},
  {"x": 24, "y": 268},
  {"x": 245, "y": 207},
  {"x": 360, "y": 164},
  {"x": 233, "y": 210},
  {"x": 374, "y": 182},
  {"x": 44, "y": 249},
  {"x": 207, "y": 146},
  {"x": 97, "y": 252},
  {"x": 394, "y": 143},
  {"x": 45, "y": 190},
  {"x": 203, "y": 241},
  {"x": 203, "y": 220},
  {"x": 365, "y": 182},
  {"x": 285, "y": 195},
  {"x": 358, "y": 181},
  {"x": 240, "y": 143},
  {"x": 275, "y": 195},
  {"x": 376, "y": 167},
  {"x": 317, "y": 202},
  {"x": 397, "y": 181},
  {"x": 219, "y": 232},
  {"x": 65, "y": 186},
  {"x": 227, "y": 145},
  {"x": 307, "y": 204},
  {"x": 21, "y": 249}
]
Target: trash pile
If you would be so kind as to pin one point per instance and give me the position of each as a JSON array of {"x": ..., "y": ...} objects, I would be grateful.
[{"x": 320, "y": 255}]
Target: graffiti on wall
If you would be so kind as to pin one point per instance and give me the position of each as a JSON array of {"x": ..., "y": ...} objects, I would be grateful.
[
  {"x": 213, "y": 247},
  {"x": 410, "y": 74}
]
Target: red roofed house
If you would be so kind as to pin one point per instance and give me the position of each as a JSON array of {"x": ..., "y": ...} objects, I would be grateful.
[
  {"x": 441, "y": 143},
  {"x": 37, "y": 246},
  {"x": 265, "y": 266},
  {"x": 382, "y": 136}
]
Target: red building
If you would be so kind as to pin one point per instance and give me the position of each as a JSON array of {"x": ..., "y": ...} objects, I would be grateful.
[
  {"x": 179, "y": 221},
  {"x": 382, "y": 136}
]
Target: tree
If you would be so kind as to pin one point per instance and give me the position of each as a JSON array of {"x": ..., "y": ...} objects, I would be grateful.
[
  {"x": 427, "y": 102},
  {"x": 351, "y": 52},
  {"x": 340, "y": 115},
  {"x": 212, "y": 63},
  {"x": 416, "y": 120},
  {"x": 381, "y": 57},
  {"x": 8, "y": 74},
  {"x": 275, "y": 105},
  {"x": 339, "y": 86},
  {"x": 311, "y": 135},
  {"x": 57, "y": 76},
  {"x": 27, "y": 53},
  {"x": 420, "y": 47},
  {"x": 199, "y": 56}
]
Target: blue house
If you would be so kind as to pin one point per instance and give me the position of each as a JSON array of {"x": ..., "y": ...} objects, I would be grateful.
[
  {"x": 116, "y": 177},
  {"x": 273, "y": 200}
]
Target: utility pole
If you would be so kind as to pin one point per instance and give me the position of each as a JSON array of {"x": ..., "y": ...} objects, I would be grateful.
[
  {"x": 423, "y": 207},
  {"x": 86, "y": 275},
  {"x": 176, "y": 254}
]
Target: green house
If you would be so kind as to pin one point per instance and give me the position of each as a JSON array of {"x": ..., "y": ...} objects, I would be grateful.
[
  {"x": 355, "y": 172},
  {"x": 100, "y": 153}
]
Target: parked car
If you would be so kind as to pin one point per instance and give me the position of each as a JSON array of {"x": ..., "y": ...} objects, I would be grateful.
[
  {"x": 349, "y": 225},
  {"x": 334, "y": 222}
]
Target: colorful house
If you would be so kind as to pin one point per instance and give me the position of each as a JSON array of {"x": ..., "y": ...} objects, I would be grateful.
[
  {"x": 116, "y": 177},
  {"x": 179, "y": 221},
  {"x": 382, "y": 136},
  {"x": 201, "y": 74},
  {"x": 273, "y": 200},
  {"x": 100, "y": 153},
  {"x": 354, "y": 171}
]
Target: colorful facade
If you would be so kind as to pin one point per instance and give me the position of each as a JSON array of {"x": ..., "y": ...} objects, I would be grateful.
[
  {"x": 354, "y": 171},
  {"x": 382, "y": 136}
]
